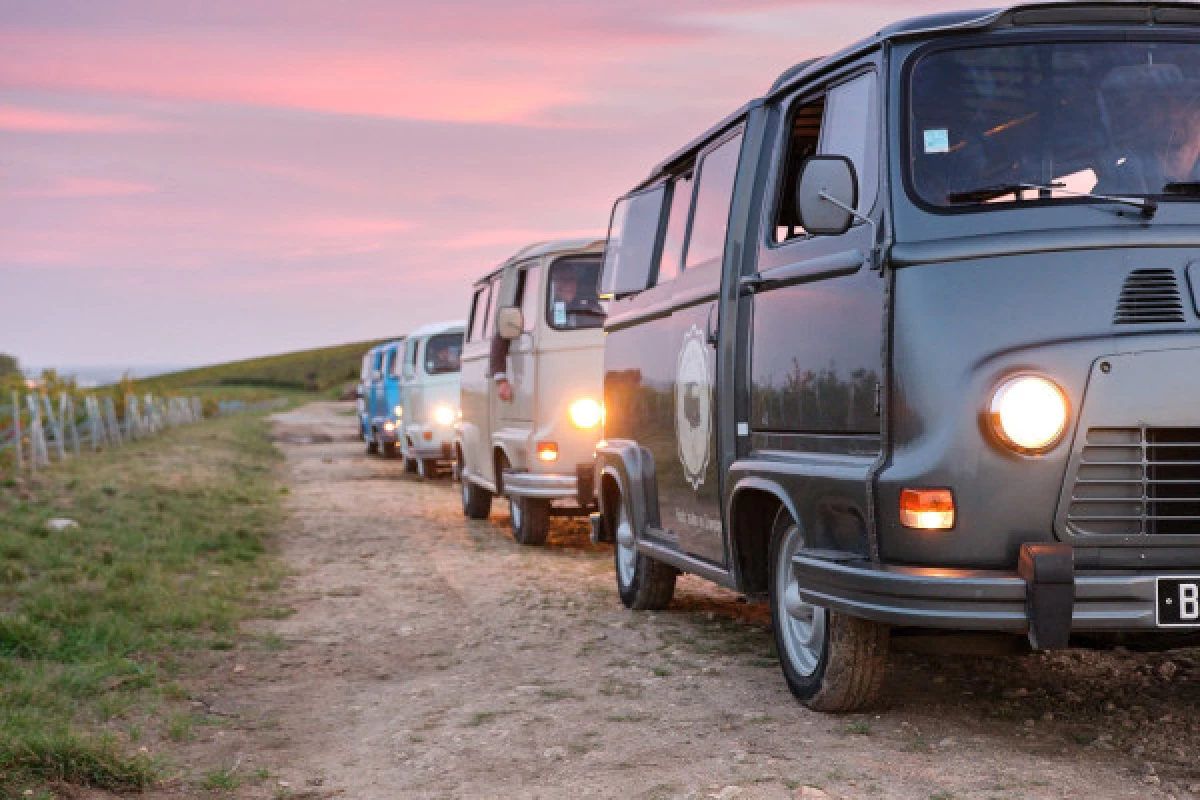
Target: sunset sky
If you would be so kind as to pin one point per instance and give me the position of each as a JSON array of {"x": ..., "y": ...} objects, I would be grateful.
[{"x": 191, "y": 181}]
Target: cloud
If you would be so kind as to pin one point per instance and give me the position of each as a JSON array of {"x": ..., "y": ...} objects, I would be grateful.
[
  {"x": 77, "y": 187},
  {"x": 20, "y": 119}
]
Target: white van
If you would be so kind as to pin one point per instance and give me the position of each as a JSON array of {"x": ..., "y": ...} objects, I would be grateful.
[
  {"x": 428, "y": 407},
  {"x": 537, "y": 448}
]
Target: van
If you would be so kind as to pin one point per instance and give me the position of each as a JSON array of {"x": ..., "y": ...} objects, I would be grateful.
[
  {"x": 380, "y": 396},
  {"x": 428, "y": 407},
  {"x": 912, "y": 343},
  {"x": 536, "y": 448}
]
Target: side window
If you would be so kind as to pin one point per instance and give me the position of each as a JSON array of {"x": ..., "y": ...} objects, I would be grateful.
[
  {"x": 366, "y": 368},
  {"x": 493, "y": 290},
  {"x": 632, "y": 239},
  {"x": 714, "y": 194},
  {"x": 850, "y": 129},
  {"x": 378, "y": 365},
  {"x": 527, "y": 295},
  {"x": 393, "y": 363},
  {"x": 410, "y": 358},
  {"x": 671, "y": 260},
  {"x": 479, "y": 309},
  {"x": 804, "y": 138}
]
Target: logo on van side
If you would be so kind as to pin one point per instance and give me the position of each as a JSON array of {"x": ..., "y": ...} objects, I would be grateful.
[{"x": 693, "y": 405}]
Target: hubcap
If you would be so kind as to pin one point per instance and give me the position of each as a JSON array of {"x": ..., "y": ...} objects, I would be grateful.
[
  {"x": 803, "y": 625},
  {"x": 626, "y": 551},
  {"x": 514, "y": 509},
  {"x": 466, "y": 494}
]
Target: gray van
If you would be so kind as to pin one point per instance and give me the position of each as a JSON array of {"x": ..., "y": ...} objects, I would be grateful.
[{"x": 912, "y": 343}]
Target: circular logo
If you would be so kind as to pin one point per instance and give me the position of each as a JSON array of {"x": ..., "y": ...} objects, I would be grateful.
[{"x": 693, "y": 406}]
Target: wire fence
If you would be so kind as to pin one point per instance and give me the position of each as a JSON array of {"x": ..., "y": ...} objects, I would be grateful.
[{"x": 37, "y": 429}]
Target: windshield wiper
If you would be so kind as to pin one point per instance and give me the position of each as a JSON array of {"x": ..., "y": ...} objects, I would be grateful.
[
  {"x": 1144, "y": 204},
  {"x": 1183, "y": 187}
]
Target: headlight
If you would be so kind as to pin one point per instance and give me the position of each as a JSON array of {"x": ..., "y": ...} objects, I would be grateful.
[
  {"x": 1029, "y": 414},
  {"x": 586, "y": 413},
  {"x": 399, "y": 412},
  {"x": 389, "y": 426},
  {"x": 443, "y": 415}
]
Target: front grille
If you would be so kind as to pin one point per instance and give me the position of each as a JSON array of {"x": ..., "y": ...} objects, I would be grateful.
[{"x": 1137, "y": 481}]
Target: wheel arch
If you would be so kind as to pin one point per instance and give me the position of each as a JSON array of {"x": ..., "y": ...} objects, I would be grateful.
[{"x": 753, "y": 505}]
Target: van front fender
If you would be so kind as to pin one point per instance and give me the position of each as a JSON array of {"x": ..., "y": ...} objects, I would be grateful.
[{"x": 632, "y": 467}]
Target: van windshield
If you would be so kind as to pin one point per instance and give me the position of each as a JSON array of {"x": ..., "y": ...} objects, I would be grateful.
[
  {"x": 573, "y": 300},
  {"x": 1051, "y": 121},
  {"x": 443, "y": 353}
]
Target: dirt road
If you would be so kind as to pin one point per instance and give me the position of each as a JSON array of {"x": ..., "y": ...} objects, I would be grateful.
[{"x": 429, "y": 656}]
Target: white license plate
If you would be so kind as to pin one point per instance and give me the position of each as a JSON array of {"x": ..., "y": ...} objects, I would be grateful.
[{"x": 1179, "y": 602}]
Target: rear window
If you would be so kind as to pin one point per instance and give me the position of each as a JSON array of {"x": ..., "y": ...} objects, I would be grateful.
[
  {"x": 573, "y": 299},
  {"x": 443, "y": 353}
]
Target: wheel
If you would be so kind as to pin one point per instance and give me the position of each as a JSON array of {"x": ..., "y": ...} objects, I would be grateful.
[
  {"x": 427, "y": 468},
  {"x": 410, "y": 465},
  {"x": 372, "y": 445},
  {"x": 530, "y": 519},
  {"x": 831, "y": 661},
  {"x": 389, "y": 449},
  {"x": 643, "y": 583},
  {"x": 476, "y": 501}
]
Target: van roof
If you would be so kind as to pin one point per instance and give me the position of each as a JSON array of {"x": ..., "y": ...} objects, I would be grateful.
[
  {"x": 1055, "y": 12},
  {"x": 548, "y": 248},
  {"x": 386, "y": 345},
  {"x": 434, "y": 328}
]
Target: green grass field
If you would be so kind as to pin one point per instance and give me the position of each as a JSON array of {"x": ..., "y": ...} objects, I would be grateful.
[
  {"x": 306, "y": 370},
  {"x": 100, "y": 624}
]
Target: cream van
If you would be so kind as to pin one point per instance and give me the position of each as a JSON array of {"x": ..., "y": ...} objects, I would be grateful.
[
  {"x": 428, "y": 405},
  {"x": 531, "y": 386}
]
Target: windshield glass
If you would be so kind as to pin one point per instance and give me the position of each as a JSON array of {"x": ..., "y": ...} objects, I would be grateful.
[
  {"x": 443, "y": 353},
  {"x": 1113, "y": 118},
  {"x": 573, "y": 301}
]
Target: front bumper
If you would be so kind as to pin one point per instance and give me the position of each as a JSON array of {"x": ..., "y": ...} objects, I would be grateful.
[
  {"x": 975, "y": 600},
  {"x": 553, "y": 486},
  {"x": 440, "y": 452}
]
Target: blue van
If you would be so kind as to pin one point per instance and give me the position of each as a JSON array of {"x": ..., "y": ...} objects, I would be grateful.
[{"x": 379, "y": 397}]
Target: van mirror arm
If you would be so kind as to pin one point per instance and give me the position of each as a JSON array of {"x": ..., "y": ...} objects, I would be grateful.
[{"x": 873, "y": 258}]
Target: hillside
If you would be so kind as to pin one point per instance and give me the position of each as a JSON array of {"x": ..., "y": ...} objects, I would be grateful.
[{"x": 312, "y": 370}]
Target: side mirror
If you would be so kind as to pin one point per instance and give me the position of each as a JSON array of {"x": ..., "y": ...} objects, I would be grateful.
[
  {"x": 827, "y": 195},
  {"x": 377, "y": 375},
  {"x": 358, "y": 391},
  {"x": 510, "y": 322}
]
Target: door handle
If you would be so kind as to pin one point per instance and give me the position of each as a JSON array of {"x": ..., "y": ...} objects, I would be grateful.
[{"x": 710, "y": 332}]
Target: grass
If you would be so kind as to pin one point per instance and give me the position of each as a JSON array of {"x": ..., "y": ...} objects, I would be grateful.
[
  {"x": 97, "y": 621},
  {"x": 306, "y": 370}
]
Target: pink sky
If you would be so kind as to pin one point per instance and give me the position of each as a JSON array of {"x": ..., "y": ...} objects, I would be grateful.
[{"x": 201, "y": 180}]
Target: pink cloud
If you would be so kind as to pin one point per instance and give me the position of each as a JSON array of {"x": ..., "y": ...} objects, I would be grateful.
[
  {"x": 76, "y": 187},
  {"x": 35, "y": 120}
]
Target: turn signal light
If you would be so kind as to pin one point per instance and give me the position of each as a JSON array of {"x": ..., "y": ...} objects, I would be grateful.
[
  {"x": 927, "y": 509},
  {"x": 547, "y": 451}
]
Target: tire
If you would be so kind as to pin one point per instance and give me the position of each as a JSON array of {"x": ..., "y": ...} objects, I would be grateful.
[
  {"x": 831, "y": 661},
  {"x": 643, "y": 583},
  {"x": 530, "y": 520},
  {"x": 389, "y": 449},
  {"x": 427, "y": 468},
  {"x": 476, "y": 501},
  {"x": 410, "y": 465},
  {"x": 372, "y": 446}
]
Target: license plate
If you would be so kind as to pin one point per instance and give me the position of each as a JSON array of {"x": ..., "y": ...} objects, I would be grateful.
[{"x": 1179, "y": 602}]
